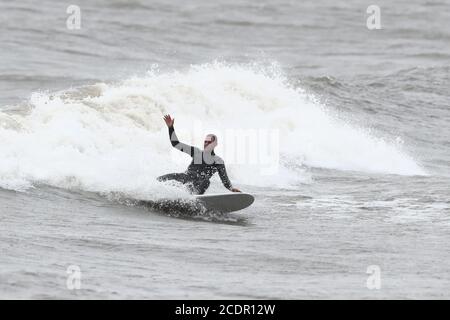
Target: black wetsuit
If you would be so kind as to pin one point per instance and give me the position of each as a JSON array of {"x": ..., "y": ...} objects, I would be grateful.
[{"x": 202, "y": 167}]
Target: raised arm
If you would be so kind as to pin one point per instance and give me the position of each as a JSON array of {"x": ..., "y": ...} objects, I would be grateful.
[{"x": 190, "y": 150}]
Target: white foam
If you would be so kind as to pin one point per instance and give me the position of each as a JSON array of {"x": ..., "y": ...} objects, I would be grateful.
[{"x": 111, "y": 137}]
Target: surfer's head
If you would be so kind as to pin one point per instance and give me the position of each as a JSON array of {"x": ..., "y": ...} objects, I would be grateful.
[{"x": 210, "y": 142}]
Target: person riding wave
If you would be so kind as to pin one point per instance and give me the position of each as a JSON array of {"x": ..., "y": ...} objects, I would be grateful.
[{"x": 205, "y": 163}]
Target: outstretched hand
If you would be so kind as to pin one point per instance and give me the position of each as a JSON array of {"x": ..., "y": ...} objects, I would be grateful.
[
  {"x": 235, "y": 190},
  {"x": 169, "y": 121}
]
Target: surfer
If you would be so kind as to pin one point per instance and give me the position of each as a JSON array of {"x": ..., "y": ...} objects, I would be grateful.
[{"x": 205, "y": 163}]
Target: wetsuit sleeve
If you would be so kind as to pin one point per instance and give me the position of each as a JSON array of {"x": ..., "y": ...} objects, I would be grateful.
[
  {"x": 190, "y": 150},
  {"x": 223, "y": 175}
]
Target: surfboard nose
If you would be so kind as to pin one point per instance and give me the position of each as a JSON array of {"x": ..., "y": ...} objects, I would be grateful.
[{"x": 226, "y": 202}]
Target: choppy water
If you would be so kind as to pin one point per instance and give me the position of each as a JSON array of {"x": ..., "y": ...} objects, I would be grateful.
[{"x": 364, "y": 135}]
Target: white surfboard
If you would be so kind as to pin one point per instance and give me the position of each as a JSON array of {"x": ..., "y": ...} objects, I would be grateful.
[{"x": 226, "y": 202}]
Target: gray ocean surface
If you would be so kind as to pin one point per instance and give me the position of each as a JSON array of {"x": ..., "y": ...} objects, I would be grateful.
[{"x": 364, "y": 174}]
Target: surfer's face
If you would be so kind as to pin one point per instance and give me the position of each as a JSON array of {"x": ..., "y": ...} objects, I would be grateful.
[{"x": 210, "y": 141}]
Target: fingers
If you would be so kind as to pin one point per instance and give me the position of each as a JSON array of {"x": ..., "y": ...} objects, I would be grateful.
[
  {"x": 169, "y": 121},
  {"x": 167, "y": 118}
]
